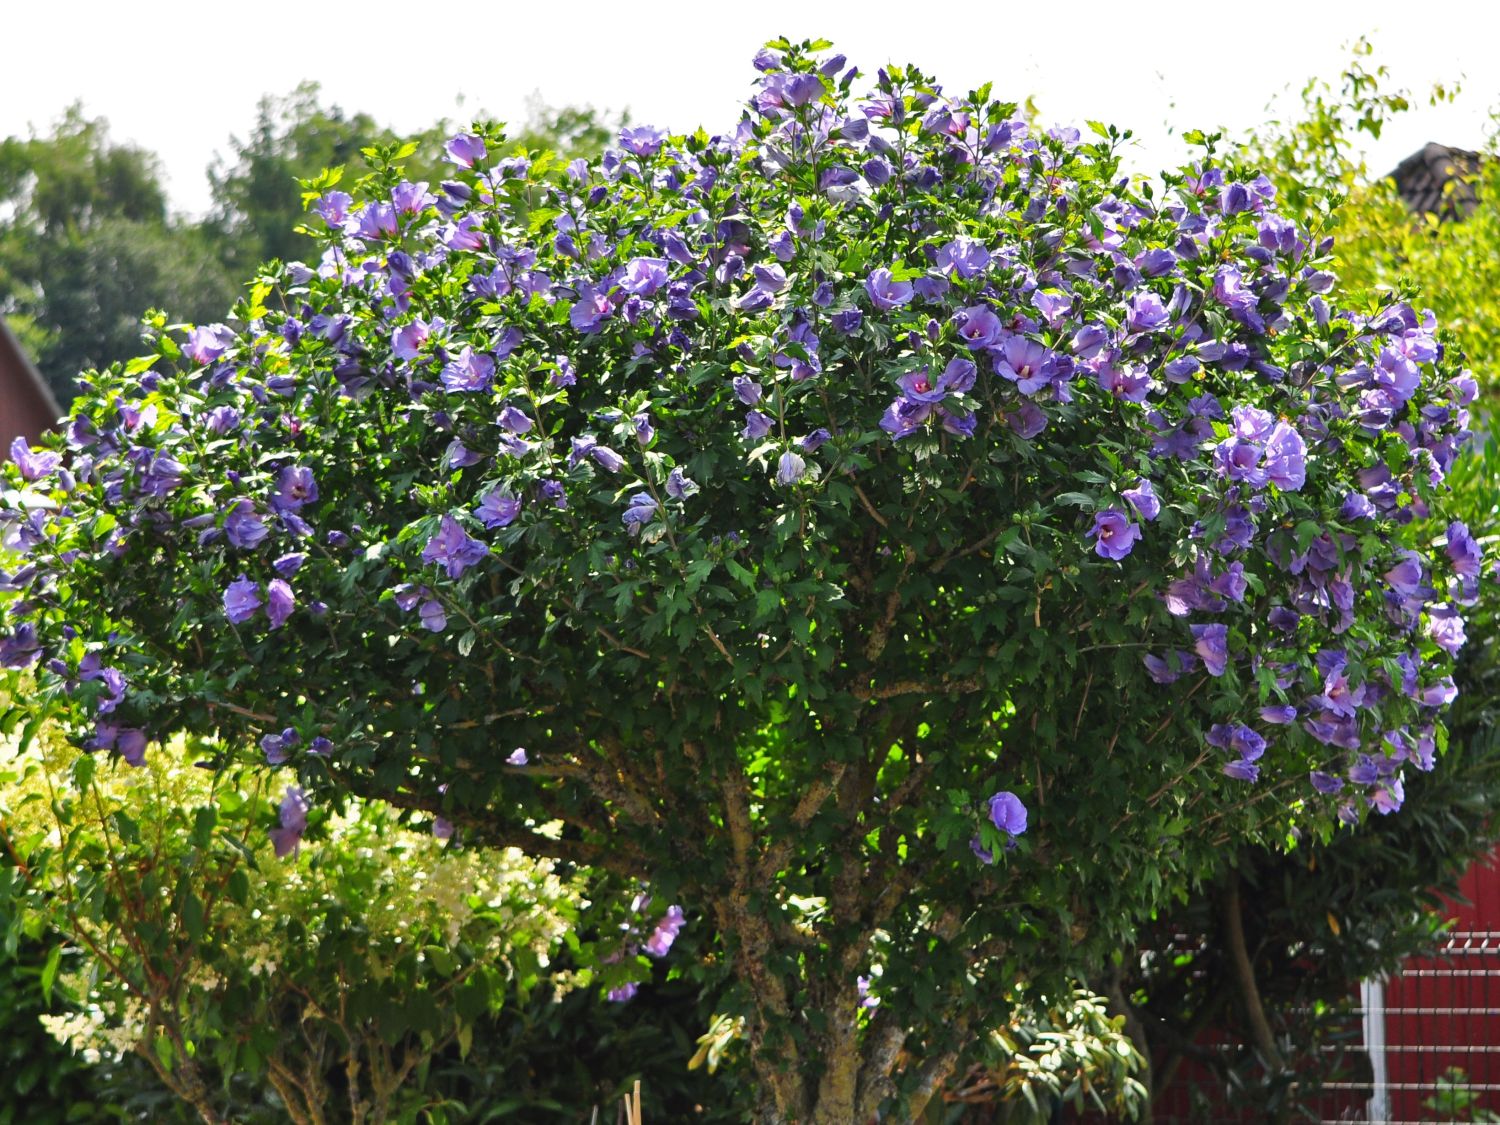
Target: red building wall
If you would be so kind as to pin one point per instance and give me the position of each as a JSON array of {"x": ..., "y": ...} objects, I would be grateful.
[{"x": 27, "y": 408}]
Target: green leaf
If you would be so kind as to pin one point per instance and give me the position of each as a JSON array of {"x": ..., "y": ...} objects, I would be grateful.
[
  {"x": 540, "y": 218},
  {"x": 239, "y": 886},
  {"x": 49, "y": 972},
  {"x": 192, "y": 917},
  {"x": 162, "y": 1046}
]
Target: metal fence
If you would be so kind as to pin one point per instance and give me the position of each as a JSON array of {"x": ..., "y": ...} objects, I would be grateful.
[{"x": 1431, "y": 1032}]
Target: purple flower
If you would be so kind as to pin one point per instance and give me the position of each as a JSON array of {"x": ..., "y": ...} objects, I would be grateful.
[
  {"x": 1231, "y": 584},
  {"x": 1325, "y": 783},
  {"x": 1467, "y": 558},
  {"x": 221, "y": 419},
  {"x": 885, "y": 293},
  {"x": 964, "y": 256},
  {"x": 334, "y": 207},
  {"x": 279, "y": 602},
  {"x": 243, "y": 528},
  {"x": 1247, "y": 743},
  {"x": 641, "y": 140},
  {"x": 411, "y": 199},
  {"x": 1154, "y": 263},
  {"x": 590, "y": 310},
  {"x": 1407, "y": 575},
  {"x": 1147, "y": 313},
  {"x": 375, "y": 222},
  {"x": 1278, "y": 715},
  {"x": 208, "y": 342},
  {"x": 21, "y": 649},
  {"x": 931, "y": 288},
  {"x": 465, "y": 149},
  {"x": 497, "y": 508},
  {"x": 131, "y": 744},
  {"x": 295, "y": 487},
  {"x": 665, "y": 933},
  {"x": 287, "y": 836},
  {"x": 814, "y": 441},
  {"x": 905, "y": 417},
  {"x": 769, "y": 277},
  {"x": 278, "y": 747},
  {"x": 434, "y": 620},
  {"x": 1089, "y": 341},
  {"x": 241, "y": 600},
  {"x": 847, "y": 321},
  {"x": 469, "y": 371},
  {"x": 1167, "y": 669},
  {"x": 679, "y": 485},
  {"x": 799, "y": 89},
  {"x": 453, "y": 548},
  {"x": 1446, "y": 628},
  {"x": 790, "y": 468},
  {"x": 1357, "y": 506},
  {"x": 979, "y": 327},
  {"x": 1389, "y": 797},
  {"x": 959, "y": 425},
  {"x": 1286, "y": 458},
  {"x": 1027, "y": 363},
  {"x": 442, "y": 828},
  {"x": 1132, "y": 384},
  {"x": 1027, "y": 420},
  {"x": 642, "y": 507},
  {"x": 407, "y": 341},
  {"x": 746, "y": 390},
  {"x": 643, "y": 277},
  {"x": 1211, "y": 643},
  {"x": 459, "y": 456},
  {"x": 1240, "y": 460},
  {"x": 757, "y": 426},
  {"x": 1114, "y": 534},
  {"x": 917, "y": 387},
  {"x": 517, "y": 757},
  {"x": 1007, "y": 813},
  {"x": 1143, "y": 499},
  {"x": 606, "y": 458},
  {"x": 1230, "y": 290},
  {"x": 1241, "y": 770},
  {"x": 513, "y": 421},
  {"x": 33, "y": 466}
]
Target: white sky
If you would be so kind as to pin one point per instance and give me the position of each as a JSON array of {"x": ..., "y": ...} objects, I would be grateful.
[{"x": 181, "y": 76}]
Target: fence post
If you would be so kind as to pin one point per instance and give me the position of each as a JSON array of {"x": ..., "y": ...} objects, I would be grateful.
[{"x": 1372, "y": 1001}]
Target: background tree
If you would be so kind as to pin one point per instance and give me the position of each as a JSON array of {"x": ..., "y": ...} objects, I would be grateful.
[
  {"x": 87, "y": 246},
  {"x": 88, "y": 243}
]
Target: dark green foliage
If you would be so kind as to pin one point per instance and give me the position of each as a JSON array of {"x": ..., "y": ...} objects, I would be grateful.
[{"x": 41, "y": 1082}]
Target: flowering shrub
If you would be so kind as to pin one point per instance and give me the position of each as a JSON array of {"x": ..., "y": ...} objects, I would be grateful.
[
  {"x": 334, "y": 980},
  {"x": 882, "y": 528}
]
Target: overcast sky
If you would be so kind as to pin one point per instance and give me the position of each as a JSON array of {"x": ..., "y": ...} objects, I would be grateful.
[{"x": 181, "y": 76}]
